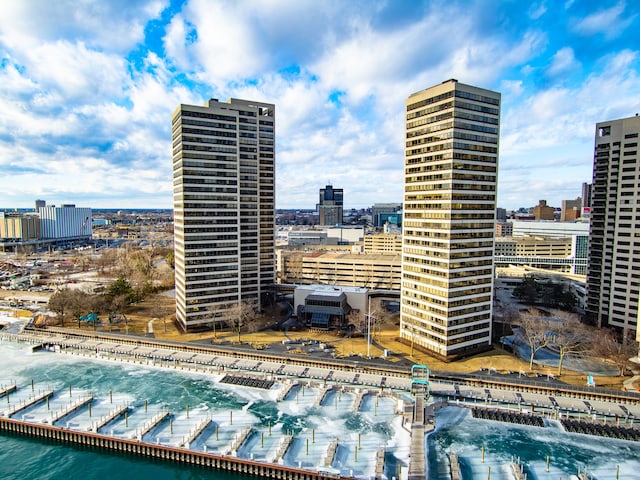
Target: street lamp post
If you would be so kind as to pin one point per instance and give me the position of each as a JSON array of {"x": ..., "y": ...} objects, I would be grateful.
[{"x": 369, "y": 330}]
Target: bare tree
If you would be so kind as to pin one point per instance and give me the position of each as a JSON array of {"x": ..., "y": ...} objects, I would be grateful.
[
  {"x": 535, "y": 331},
  {"x": 375, "y": 316},
  {"x": 357, "y": 319},
  {"x": 618, "y": 351},
  {"x": 215, "y": 315},
  {"x": 570, "y": 337},
  {"x": 79, "y": 304},
  {"x": 60, "y": 303},
  {"x": 239, "y": 315},
  {"x": 160, "y": 311}
]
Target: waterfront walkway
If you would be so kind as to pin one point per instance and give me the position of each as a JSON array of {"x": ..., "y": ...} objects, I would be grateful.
[{"x": 550, "y": 398}]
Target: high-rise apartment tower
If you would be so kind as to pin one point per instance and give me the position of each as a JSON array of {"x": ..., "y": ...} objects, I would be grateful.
[
  {"x": 224, "y": 208},
  {"x": 330, "y": 207},
  {"x": 450, "y": 171},
  {"x": 613, "y": 272}
]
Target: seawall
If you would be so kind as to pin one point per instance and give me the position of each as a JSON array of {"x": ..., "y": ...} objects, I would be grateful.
[{"x": 162, "y": 452}]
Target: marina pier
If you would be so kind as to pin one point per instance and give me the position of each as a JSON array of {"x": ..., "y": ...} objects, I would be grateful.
[
  {"x": 181, "y": 455},
  {"x": 354, "y": 389},
  {"x": 67, "y": 417}
]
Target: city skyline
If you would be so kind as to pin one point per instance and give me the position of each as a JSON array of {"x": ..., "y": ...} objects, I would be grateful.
[{"x": 86, "y": 96}]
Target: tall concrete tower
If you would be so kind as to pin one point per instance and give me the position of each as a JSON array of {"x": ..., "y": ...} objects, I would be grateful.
[
  {"x": 613, "y": 271},
  {"x": 330, "y": 207},
  {"x": 224, "y": 208},
  {"x": 450, "y": 171}
]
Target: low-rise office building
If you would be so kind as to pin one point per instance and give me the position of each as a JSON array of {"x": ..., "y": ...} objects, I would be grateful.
[
  {"x": 334, "y": 268},
  {"x": 65, "y": 222},
  {"x": 385, "y": 243},
  {"x": 327, "y": 306},
  {"x": 19, "y": 227},
  {"x": 565, "y": 254}
]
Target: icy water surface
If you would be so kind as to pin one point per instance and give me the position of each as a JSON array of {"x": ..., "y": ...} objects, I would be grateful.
[
  {"x": 312, "y": 419},
  {"x": 459, "y": 433},
  {"x": 249, "y": 423}
]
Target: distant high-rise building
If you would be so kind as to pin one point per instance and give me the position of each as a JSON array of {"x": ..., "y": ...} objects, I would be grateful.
[
  {"x": 224, "y": 208},
  {"x": 571, "y": 210},
  {"x": 331, "y": 205},
  {"x": 449, "y": 208},
  {"x": 586, "y": 195},
  {"x": 380, "y": 212},
  {"x": 501, "y": 214},
  {"x": 542, "y": 211},
  {"x": 614, "y": 240},
  {"x": 586, "y": 200},
  {"x": 40, "y": 204}
]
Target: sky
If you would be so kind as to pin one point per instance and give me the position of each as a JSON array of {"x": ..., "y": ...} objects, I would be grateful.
[{"x": 88, "y": 88}]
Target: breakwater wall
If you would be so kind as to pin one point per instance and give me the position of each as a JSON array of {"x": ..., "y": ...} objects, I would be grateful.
[{"x": 161, "y": 452}]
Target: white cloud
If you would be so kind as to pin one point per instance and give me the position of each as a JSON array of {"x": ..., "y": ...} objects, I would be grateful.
[
  {"x": 114, "y": 25},
  {"x": 563, "y": 62},
  {"x": 179, "y": 35},
  {"x": 76, "y": 71},
  {"x": 226, "y": 45},
  {"x": 537, "y": 10},
  {"x": 611, "y": 22},
  {"x": 511, "y": 88}
]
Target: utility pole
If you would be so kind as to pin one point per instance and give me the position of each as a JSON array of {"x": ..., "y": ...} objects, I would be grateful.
[{"x": 369, "y": 330}]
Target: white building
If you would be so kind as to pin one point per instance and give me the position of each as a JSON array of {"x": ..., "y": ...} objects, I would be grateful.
[
  {"x": 548, "y": 228},
  {"x": 343, "y": 235},
  {"x": 449, "y": 208},
  {"x": 224, "y": 208},
  {"x": 65, "y": 222}
]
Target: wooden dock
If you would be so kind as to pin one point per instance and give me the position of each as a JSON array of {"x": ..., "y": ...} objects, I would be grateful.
[
  {"x": 237, "y": 443},
  {"x": 331, "y": 453},
  {"x": 70, "y": 409},
  {"x": 358, "y": 400},
  {"x": 454, "y": 467},
  {"x": 285, "y": 442},
  {"x": 196, "y": 432},
  {"x": 417, "y": 460},
  {"x": 161, "y": 452},
  {"x": 152, "y": 423},
  {"x": 110, "y": 416},
  {"x": 321, "y": 395},
  {"x": 286, "y": 390},
  {"x": 15, "y": 409},
  {"x": 8, "y": 390},
  {"x": 379, "y": 475}
]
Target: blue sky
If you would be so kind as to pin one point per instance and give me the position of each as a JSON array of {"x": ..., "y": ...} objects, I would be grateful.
[{"x": 87, "y": 89}]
